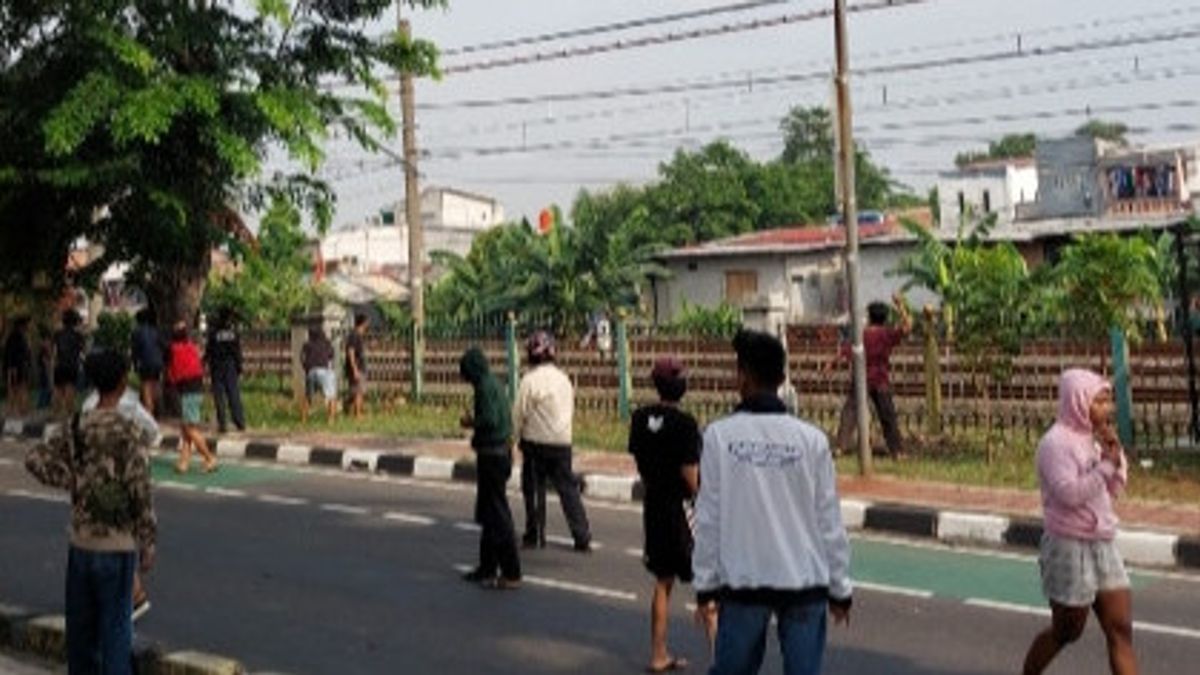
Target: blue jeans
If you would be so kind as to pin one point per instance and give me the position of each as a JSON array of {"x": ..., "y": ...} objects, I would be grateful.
[
  {"x": 99, "y": 612},
  {"x": 742, "y": 637}
]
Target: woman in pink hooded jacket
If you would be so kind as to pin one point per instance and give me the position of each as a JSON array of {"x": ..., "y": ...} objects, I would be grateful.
[{"x": 1081, "y": 468}]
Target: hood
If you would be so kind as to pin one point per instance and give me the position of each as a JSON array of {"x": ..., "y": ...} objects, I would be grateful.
[
  {"x": 1076, "y": 390},
  {"x": 473, "y": 365}
]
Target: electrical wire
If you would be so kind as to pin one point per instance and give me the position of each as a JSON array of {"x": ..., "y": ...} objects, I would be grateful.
[{"x": 669, "y": 38}]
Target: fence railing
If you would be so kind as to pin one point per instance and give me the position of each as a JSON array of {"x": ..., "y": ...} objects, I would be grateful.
[{"x": 1022, "y": 406}]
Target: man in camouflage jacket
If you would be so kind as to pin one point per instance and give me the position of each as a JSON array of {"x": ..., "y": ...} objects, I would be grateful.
[{"x": 101, "y": 459}]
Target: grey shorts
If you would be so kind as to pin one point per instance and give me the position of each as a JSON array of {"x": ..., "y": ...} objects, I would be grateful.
[
  {"x": 1075, "y": 570},
  {"x": 321, "y": 381}
]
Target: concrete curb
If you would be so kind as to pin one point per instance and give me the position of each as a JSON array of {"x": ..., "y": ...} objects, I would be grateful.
[
  {"x": 955, "y": 526},
  {"x": 45, "y": 636}
]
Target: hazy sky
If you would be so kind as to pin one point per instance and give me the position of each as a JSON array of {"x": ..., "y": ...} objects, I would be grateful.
[{"x": 927, "y": 116}]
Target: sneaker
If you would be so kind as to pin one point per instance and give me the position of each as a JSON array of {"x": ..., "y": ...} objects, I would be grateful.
[
  {"x": 533, "y": 541},
  {"x": 140, "y": 608},
  {"x": 477, "y": 575},
  {"x": 502, "y": 584},
  {"x": 583, "y": 546}
]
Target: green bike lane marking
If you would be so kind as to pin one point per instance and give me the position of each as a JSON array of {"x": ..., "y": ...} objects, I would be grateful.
[
  {"x": 229, "y": 475},
  {"x": 953, "y": 574}
]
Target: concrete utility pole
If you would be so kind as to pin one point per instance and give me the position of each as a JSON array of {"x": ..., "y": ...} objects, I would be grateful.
[
  {"x": 846, "y": 157},
  {"x": 416, "y": 229}
]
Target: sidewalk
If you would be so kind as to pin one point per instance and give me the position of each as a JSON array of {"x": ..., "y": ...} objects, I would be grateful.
[
  {"x": 10, "y": 665},
  {"x": 1136, "y": 514}
]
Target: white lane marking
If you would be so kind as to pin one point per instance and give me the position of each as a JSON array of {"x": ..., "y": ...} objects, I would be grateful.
[
  {"x": 892, "y": 590},
  {"x": 572, "y": 587},
  {"x": 966, "y": 549},
  {"x": 345, "y": 508},
  {"x": 40, "y": 496},
  {"x": 225, "y": 492},
  {"x": 281, "y": 500},
  {"x": 409, "y": 518},
  {"x": 176, "y": 485},
  {"x": 1142, "y": 626},
  {"x": 467, "y": 527},
  {"x": 4, "y": 461},
  {"x": 634, "y": 552},
  {"x": 567, "y": 541}
]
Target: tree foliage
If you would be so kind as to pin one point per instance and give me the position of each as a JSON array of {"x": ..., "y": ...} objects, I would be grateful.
[
  {"x": 144, "y": 125},
  {"x": 1011, "y": 146},
  {"x": 1115, "y": 132},
  {"x": 275, "y": 282},
  {"x": 1103, "y": 280}
]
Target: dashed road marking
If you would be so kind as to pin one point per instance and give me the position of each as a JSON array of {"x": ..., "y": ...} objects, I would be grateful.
[
  {"x": 225, "y": 492},
  {"x": 467, "y": 527},
  {"x": 4, "y": 461},
  {"x": 281, "y": 500},
  {"x": 893, "y": 590},
  {"x": 569, "y": 586},
  {"x": 1138, "y": 626},
  {"x": 569, "y": 542},
  {"x": 39, "y": 496},
  {"x": 408, "y": 518},
  {"x": 345, "y": 508},
  {"x": 176, "y": 485},
  {"x": 634, "y": 552}
]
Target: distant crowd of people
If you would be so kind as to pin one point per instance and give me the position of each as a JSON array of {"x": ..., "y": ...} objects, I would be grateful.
[{"x": 746, "y": 510}]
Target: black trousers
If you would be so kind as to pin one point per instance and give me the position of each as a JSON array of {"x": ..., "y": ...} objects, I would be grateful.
[
  {"x": 498, "y": 543},
  {"x": 885, "y": 410},
  {"x": 227, "y": 390},
  {"x": 551, "y": 464}
]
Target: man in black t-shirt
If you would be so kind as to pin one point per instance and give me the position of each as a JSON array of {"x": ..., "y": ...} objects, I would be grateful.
[
  {"x": 666, "y": 442},
  {"x": 69, "y": 346},
  {"x": 356, "y": 365}
]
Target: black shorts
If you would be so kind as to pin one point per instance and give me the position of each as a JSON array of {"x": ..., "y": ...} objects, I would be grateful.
[
  {"x": 149, "y": 374},
  {"x": 667, "y": 553},
  {"x": 66, "y": 376}
]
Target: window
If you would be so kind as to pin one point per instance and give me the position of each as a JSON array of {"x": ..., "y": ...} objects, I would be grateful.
[
  {"x": 987, "y": 201},
  {"x": 740, "y": 285}
]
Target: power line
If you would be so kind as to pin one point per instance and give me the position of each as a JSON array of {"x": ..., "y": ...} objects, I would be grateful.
[
  {"x": 668, "y": 38},
  {"x": 613, "y": 27},
  {"x": 1133, "y": 39}
]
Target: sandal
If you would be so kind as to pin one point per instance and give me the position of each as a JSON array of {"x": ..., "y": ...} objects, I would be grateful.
[
  {"x": 211, "y": 467},
  {"x": 673, "y": 663},
  {"x": 181, "y": 469}
]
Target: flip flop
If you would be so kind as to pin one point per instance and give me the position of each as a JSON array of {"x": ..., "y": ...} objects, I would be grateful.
[{"x": 674, "y": 663}]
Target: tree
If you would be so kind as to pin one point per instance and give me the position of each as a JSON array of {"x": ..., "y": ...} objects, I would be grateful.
[
  {"x": 1011, "y": 146},
  {"x": 808, "y": 141},
  {"x": 143, "y": 125},
  {"x": 1102, "y": 280},
  {"x": 275, "y": 282},
  {"x": 1115, "y": 132}
]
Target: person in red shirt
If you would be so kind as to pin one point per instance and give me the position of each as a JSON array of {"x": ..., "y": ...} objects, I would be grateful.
[{"x": 879, "y": 339}]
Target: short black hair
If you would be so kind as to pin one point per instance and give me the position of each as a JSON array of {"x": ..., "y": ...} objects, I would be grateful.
[
  {"x": 146, "y": 317},
  {"x": 360, "y": 320},
  {"x": 71, "y": 318},
  {"x": 878, "y": 312},
  {"x": 670, "y": 389},
  {"x": 105, "y": 368},
  {"x": 761, "y": 356}
]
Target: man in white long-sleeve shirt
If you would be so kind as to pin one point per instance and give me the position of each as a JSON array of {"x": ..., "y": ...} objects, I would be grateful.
[{"x": 769, "y": 534}]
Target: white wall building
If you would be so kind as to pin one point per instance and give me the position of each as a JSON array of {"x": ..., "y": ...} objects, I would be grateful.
[
  {"x": 452, "y": 219},
  {"x": 985, "y": 188}
]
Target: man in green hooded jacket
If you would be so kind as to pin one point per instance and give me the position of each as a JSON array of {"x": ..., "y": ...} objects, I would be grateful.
[{"x": 499, "y": 565}]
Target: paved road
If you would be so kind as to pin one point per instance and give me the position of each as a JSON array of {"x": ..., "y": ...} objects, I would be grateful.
[{"x": 304, "y": 571}]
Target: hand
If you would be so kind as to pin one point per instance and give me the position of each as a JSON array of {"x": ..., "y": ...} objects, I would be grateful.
[
  {"x": 706, "y": 615},
  {"x": 466, "y": 421},
  {"x": 1110, "y": 443},
  {"x": 840, "y": 614},
  {"x": 146, "y": 558}
]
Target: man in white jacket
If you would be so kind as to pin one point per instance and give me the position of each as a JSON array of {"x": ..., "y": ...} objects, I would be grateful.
[{"x": 769, "y": 534}]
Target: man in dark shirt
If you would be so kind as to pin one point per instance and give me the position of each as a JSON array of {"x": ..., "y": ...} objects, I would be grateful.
[
  {"x": 148, "y": 359},
  {"x": 18, "y": 366},
  {"x": 356, "y": 365},
  {"x": 69, "y": 345},
  {"x": 666, "y": 441},
  {"x": 879, "y": 339},
  {"x": 224, "y": 355}
]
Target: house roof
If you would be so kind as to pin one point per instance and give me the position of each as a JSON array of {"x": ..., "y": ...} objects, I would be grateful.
[{"x": 788, "y": 240}]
